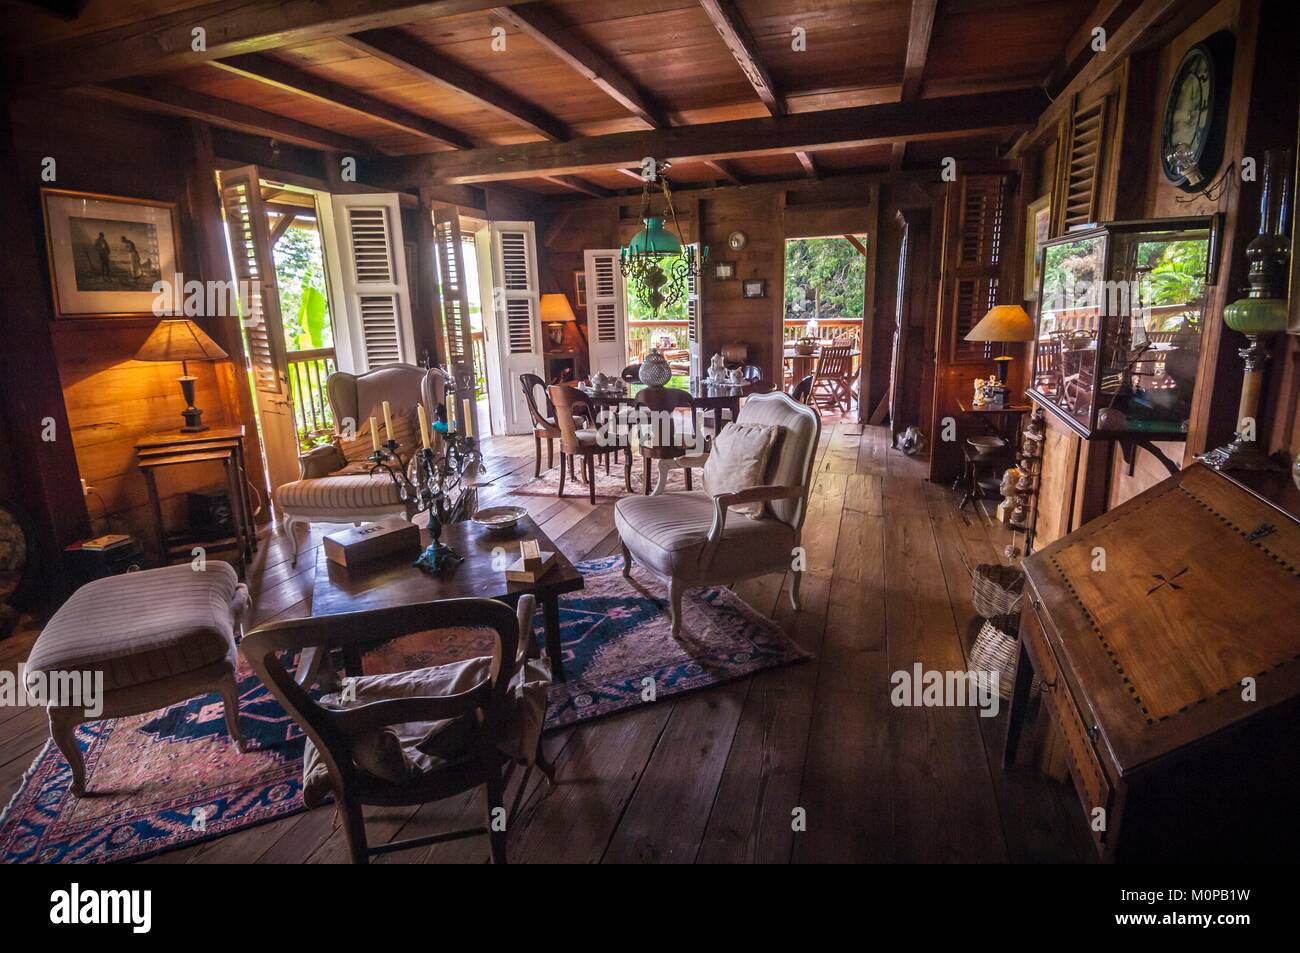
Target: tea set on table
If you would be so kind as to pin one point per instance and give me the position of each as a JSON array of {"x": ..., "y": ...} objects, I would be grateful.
[{"x": 718, "y": 373}]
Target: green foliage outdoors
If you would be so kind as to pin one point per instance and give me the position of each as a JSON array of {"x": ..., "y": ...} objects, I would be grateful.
[
  {"x": 299, "y": 272},
  {"x": 825, "y": 270}
]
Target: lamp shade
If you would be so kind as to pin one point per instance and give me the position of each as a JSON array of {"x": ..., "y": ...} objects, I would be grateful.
[
  {"x": 1006, "y": 322},
  {"x": 555, "y": 308},
  {"x": 179, "y": 339},
  {"x": 654, "y": 239}
]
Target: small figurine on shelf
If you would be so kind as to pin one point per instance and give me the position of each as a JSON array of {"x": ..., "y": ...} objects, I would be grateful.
[
  {"x": 978, "y": 399},
  {"x": 1008, "y": 490}
]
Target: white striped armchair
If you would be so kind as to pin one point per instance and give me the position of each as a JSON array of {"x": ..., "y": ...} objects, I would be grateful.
[{"x": 332, "y": 490}]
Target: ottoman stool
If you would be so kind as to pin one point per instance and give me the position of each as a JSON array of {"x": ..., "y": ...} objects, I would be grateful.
[{"x": 159, "y": 637}]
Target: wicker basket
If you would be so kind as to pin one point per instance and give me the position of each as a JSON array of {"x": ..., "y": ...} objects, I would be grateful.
[
  {"x": 995, "y": 650},
  {"x": 997, "y": 590}
]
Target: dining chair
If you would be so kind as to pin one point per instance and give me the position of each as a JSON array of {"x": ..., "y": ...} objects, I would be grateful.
[
  {"x": 659, "y": 437},
  {"x": 585, "y": 443},
  {"x": 544, "y": 425},
  {"x": 409, "y": 738},
  {"x": 832, "y": 376}
]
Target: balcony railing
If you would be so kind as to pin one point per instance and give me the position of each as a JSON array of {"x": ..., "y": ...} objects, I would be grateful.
[
  {"x": 312, "y": 416},
  {"x": 826, "y": 328}
]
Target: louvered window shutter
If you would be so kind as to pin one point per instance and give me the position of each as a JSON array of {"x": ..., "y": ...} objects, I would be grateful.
[
  {"x": 980, "y": 230},
  {"x": 378, "y": 298},
  {"x": 516, "y": 345},
  {"x": 694, "y": 337},
  {"x": 1082, "y": 172},
  {"x": 606, "y": 311}
]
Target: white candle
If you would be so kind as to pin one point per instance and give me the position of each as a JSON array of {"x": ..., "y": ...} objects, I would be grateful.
[
  {"x": 388, "y": 421},
  {"x": 469, "y": 420},
  {"x": 424, "y": 425},
  {"x": 374, "y": 434}
]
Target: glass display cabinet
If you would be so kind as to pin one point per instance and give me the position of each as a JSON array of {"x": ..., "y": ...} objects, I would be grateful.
[{"x": 1118, "y": 325}]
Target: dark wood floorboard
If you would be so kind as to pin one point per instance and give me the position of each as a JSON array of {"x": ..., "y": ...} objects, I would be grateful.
[{"x": 807, "y": 763}]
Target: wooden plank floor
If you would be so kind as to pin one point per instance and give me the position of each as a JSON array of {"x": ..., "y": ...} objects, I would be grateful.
[{"x": 720, "y": 775}]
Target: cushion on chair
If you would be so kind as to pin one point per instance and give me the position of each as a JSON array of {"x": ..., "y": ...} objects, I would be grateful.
[
  {"x": 399, "y": 753},
  {"x": 798, "y": 437},
  {"x": 143, "y": 626},
  {"x": 406, "y": 431},
  {"x": 344, "y": 493},
  {"x": 738, "y": 461},
  {"x": 668, "y": 534}
]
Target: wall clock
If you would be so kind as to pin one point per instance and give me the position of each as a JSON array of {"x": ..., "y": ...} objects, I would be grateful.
[
  {"x": 737, "y": 240},
  {"x": 1191, "y": 138}
]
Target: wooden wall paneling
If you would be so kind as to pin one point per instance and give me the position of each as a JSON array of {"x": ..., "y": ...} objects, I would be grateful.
[
  {"x": 873, "y": 380},
  {"x": 427, "y": 310},
  {"x": 45, "y": 477}
]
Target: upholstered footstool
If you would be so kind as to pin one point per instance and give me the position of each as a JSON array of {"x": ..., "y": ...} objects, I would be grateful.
[{"x": 158, "y": 637}]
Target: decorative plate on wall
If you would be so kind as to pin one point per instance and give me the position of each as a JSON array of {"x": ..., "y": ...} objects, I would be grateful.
[{"x": 737, "y": 240}]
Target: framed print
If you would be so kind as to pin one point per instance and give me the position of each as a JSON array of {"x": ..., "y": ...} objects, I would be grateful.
[
  {"x": 580, "y": 288},
  {"x": 754, "y": 288},
  {"x": 1038, "y": 229},
  {"x": 106, "y": 253},
  {"x": 724, "y": 271}
]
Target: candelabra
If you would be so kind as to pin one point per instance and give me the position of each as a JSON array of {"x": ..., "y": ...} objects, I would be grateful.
[{"x": 442, "y": 483}]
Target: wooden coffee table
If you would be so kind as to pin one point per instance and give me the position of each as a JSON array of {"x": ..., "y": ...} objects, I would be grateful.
[{"x": 393, "y": 581}]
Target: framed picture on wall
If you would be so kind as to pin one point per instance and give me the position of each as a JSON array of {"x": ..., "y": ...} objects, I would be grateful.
[
  {"x": 580, "y": 288},
  {"x": 724, "y": 271},
  {"x": 1038, "y": 229},
  {"x": 106, "y": 253},
  {"x": 753, "y": 288}
]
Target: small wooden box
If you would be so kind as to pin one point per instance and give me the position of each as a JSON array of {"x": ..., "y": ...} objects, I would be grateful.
[
  {"x": 530, "y": 570},
  {"x": 357, "y": 545}
]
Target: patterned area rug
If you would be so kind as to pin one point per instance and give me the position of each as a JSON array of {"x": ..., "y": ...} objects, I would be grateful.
[{"x": 173, "y": 778}]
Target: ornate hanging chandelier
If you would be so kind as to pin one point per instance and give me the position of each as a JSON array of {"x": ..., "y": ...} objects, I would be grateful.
[{"x": 656, "y": 262}]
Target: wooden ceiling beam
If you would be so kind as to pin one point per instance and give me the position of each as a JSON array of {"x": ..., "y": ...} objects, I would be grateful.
[
  {"x": 540, "y": 25},
  {"x": 151, "y": 94},
  {"x": 919, "y": 30},
  {"x": 579, "y": 185},
  {"x": 272, "y": 72},
  {"x": 725, "y": 172},
  {"x": 1107, "y": 14},
  {"x": 410, "y": 55},
  {"x": 231, "y": 27},
  {"x": 927, "y": 119},
  {"x": 731, "y": 26}
]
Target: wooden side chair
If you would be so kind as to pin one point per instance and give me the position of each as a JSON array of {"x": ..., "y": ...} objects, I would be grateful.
[
  {"x": 832, "y": 378},
  {"x": 660, "y": 438},
  {"x": 544, "y": 422},
  {"x": 585, "y": 443},
  {"x": 409, "y": 738}
]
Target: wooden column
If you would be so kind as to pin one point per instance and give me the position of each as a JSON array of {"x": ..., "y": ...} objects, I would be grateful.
[{"x": 428, "y": 331}]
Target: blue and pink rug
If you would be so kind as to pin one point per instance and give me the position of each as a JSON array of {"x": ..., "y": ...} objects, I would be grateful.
[{"x": 173, "y": 778}]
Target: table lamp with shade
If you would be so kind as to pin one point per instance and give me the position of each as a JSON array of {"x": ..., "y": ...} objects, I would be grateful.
[
  {"x": 180, "y": 339},
  {"x": 1003, "y": 324},
  {"x": 556, "y": 313}
]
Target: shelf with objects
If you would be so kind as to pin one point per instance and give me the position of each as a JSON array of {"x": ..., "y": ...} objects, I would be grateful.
[{"x": 1117, "y": 340}]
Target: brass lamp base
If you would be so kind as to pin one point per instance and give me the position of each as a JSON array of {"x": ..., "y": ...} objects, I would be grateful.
[{"x": 193, "y": 416}]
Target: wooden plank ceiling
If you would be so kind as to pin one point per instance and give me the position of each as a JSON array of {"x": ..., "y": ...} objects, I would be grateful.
[{"x": 394, "y": 78}]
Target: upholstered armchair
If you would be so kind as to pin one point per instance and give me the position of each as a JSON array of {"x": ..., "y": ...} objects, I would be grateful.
[
  {"x": 694, "y": 539},
  {"x": 333, "y": 489}
]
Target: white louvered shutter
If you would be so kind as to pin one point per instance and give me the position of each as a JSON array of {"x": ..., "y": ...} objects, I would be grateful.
[
  {"x": 694, "y": 332},
  {"x": 606, "y": 311},
  {"x": 517, "y": 341},
  {"x": 248, "y": 238},
  {"x": 375, "y": 287}
]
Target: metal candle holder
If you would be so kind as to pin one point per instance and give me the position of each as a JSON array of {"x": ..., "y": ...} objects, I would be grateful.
[{"x": 443, "y": 484}]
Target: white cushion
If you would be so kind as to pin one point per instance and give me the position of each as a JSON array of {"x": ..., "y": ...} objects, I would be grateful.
[{"x": 738, "y": 461}]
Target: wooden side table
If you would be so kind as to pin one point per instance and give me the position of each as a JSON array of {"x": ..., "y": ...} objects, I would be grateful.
[{"x": 218, "y": 444}]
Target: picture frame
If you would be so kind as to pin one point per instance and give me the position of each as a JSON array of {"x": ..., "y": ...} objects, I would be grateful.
[
  {"x": 725, "y": 271},
  {"x": 580, "y": 288},
  {"x": 1038, "y": 229},
  {"x": 107, "y": 252},
  {"x": 754, "y": 288}
]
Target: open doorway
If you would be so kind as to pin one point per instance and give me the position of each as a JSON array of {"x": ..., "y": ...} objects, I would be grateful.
[
  {"x": 825, "y": 300},
  {"x": 667, "y": 331}
]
